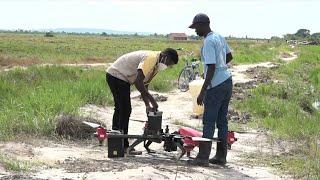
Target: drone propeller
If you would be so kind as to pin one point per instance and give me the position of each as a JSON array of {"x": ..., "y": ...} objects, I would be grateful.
[
  {"x": 93, "y": 125},
  {"x": 201, "y": 139}
]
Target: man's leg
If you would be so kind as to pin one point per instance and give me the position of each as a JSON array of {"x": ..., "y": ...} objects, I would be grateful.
[
  {"x": 222, "y": 125},
  {"x": 112, "y": 83},
  {"x": 125, "y": 108},
  {"x": 212, "y": 105}
]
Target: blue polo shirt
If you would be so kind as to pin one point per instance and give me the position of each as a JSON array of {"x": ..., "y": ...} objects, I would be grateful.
[{"x": 214, "y": 51}]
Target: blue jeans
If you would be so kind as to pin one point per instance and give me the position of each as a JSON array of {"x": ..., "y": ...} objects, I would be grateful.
[{"x": 216, "y": 104}]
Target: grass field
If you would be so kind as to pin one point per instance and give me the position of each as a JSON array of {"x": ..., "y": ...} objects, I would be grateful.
[
  {"x": 286, "y": 110},
  {"x": 32, "y": 98},
  {"x": 72, "y": 48},
  {"x": 20, "y": 49},
  {"x": 254, "y": 52}
]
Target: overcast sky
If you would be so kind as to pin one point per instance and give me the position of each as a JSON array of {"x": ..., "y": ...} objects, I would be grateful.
[{"x": 254, "y": 18}]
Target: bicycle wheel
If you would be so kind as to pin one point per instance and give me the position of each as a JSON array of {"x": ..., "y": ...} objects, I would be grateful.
[
  {"x": 197, "y": 72},
  {"x": 186, "y": 75}
]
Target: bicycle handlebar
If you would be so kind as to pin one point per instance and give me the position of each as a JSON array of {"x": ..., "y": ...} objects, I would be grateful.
[
  {"x": 195, "y": 63},
  {"x": 190, "y": 53}
]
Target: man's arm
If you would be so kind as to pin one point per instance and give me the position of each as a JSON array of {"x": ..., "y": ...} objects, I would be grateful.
[
  {"x": 146, "y": 96},
  {"x": 209, "y": 76},
  {"x": 229, "y": 58}
]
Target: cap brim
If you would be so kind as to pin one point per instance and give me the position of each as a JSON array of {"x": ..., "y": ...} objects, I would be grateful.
[{"x": 192, "y": 26}]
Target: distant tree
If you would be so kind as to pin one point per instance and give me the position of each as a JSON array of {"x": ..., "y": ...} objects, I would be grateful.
[
  {"x": 302, "y": 33},
  {"x": 316, "y": 36},
  {"x": 49, "y": 34},
  {"x": 104, "y": 34},
  {"x": 290, "y": 37},
  {"x": 275, "y": 38}
]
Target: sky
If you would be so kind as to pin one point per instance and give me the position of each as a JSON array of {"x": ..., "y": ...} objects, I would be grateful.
[{"x": 238, "y": 18}]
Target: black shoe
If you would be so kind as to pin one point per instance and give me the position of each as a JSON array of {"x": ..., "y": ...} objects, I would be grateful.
[
  {"x": 214, "y": 160},
  {"x": 199, "y": 162},
  {"x": 218, "y": 158},
  {"x": 202, "y": 158},
  {"x": 221, "y": 154},
  {"x": 132, "y": 151}
]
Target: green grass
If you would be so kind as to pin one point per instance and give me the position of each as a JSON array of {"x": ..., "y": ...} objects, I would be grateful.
[
  {"x": 15, "y": 165},
  {"x": 167, "y": 80},
  {"x": 286, "y": 110},
  {"x": 245, "y": 52},
  {"x": 296, "y": 165},
  {"x": 35, "y": 48},
  {"x": 73, "y": 48},
  {"x": 31, "y": 99}
]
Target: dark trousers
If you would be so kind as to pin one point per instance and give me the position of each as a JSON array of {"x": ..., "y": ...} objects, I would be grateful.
[
  {"x": 216, "y": 104},
  {"x": 122, "y": 103}
]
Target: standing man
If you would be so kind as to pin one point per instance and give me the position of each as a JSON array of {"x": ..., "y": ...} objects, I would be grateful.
[
  {"x": 136, "y": 68},
  {"x": 216, "y": 91}
]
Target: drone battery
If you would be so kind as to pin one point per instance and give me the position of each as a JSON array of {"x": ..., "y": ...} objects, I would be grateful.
[
  {"x": 115, "y": 147},
  {"x": 154, "y": 121}
]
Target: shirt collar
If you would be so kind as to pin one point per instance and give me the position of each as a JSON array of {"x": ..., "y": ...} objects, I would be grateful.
[{"x": 210, "y": 33}]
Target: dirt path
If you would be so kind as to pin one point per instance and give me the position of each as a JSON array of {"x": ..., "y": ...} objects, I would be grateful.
[
  {"x": 66, "y": 159},
  {"x": 239, "y": 75},
  {"x": 288, "y": 57}
]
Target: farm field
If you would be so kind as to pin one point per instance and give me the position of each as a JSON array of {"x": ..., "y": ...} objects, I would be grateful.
[
  {"x": 278, "y": 101},
  {"x": 26, "y": 49}
]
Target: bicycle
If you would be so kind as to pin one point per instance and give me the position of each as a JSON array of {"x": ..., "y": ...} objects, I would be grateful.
[{"x": 190, "y": 72}]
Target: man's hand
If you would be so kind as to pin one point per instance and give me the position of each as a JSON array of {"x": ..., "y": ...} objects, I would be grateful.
[
  {"x": 154, "y": 107},
  {"x": 228, "y": 58},
  {"x": 148, "y": 109},
  {"x": 154, "y": 104},
  {"x": 207, "y": 81},
  {"x": 200, "y": 98}
]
